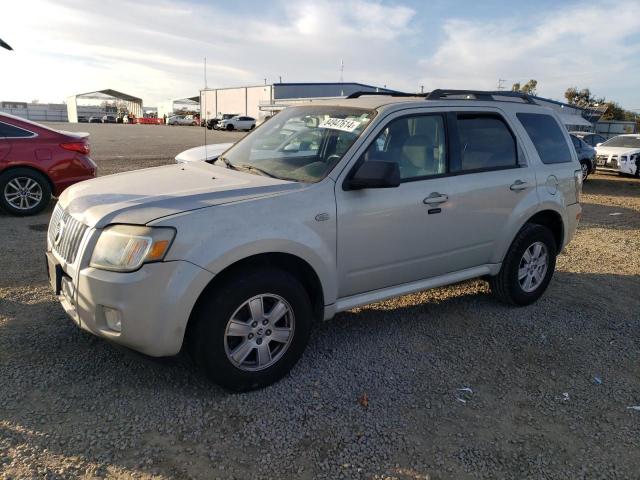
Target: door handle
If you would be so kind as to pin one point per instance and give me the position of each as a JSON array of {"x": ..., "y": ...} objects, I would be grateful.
[
  {"x": 519, "y": 185},
  {"x": 435, "y": 198}
]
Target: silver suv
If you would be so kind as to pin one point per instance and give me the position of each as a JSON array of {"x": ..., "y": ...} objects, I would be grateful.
[{"x": 372, "y": 197}]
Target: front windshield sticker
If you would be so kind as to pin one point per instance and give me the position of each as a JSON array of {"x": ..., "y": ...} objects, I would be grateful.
[{"x": 340, "y": 124}]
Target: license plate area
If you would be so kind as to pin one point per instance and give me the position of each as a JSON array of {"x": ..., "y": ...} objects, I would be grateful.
[{"x": 60, "y": 282}]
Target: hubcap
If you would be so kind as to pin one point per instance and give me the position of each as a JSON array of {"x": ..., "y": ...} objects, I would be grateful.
[
  {"x": 23, "y": 193},
  {"x": 259, "y": 332},
  {"x": 533, "y": 267}
]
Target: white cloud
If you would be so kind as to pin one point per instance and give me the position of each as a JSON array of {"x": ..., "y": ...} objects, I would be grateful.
[{"x": 589, "y": 46}]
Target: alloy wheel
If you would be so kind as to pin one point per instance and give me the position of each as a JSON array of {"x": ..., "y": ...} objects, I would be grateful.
[
  {"x": 23, "y": 193},
  {"x": 259, "y": 332},
  {"x": 533, "y": 267}
]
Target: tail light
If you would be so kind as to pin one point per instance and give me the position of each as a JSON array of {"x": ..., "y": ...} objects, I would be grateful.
[
  {"x": 80, "y": 147},
  {"x": 577, "y": 178}
]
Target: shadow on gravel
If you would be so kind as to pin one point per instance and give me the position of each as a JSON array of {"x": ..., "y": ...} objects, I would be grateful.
[
  {"x": 609, "y": 216},
  {"x": 74, "y": 395},
  {"x": 611, "y": 184}
]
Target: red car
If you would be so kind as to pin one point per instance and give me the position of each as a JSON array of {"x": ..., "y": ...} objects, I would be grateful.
[{"x": 37, "y": 162}]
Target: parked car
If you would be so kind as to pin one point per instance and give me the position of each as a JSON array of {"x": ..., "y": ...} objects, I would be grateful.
[
  {"x": 237, "y": 123},
  {"x": 181, "y": 120},
  {"x": 206, "y": 153},
  {"x": 213, "y": 123},
  {"x": 586, "y": 156},
  {"x": 622, "y": 153},
  {"x": 37, "y": 162},
  {"x": 95, "y": 119},
  {"x": 82, "y": 119},
  {"x": 237, "y": 259},
  {"x": 590, "y": 138},
  {"x": 109, "y": 119}
]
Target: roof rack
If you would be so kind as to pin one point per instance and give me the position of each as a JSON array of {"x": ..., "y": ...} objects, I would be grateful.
[
  {"x": 477, "y": 95},
  {"x": 361, "y": 93}
]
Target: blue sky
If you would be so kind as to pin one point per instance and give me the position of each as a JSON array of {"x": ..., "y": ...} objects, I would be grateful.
[{"x": 154, "y": 48}]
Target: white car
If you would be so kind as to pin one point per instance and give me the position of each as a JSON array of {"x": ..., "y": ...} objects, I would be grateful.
[
  {"x": 181, "y": 120},
  {"x": 621, "y": 152},
  {"x": 206, "y": 153},
  {"x": 237, "y": 123},
  {"x": 236, "y": 260}
]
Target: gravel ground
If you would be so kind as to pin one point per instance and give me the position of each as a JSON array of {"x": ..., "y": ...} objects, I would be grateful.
[{"x": 442, "y": 384}]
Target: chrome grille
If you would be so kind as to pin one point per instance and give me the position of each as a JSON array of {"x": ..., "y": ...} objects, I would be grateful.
[{"x": 65, "y": 234}]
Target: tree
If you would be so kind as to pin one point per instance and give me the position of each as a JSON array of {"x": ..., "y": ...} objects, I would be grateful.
[
  {"x": 584, "y": 99},
  {"x": 529, "y": 88}
]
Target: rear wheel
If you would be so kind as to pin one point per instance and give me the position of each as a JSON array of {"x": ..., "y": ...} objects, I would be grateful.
[
  {"x": 528, "y": 267},
  {"x": 229, "y": 127},
  {"x": 252, "y": 329},
  {"x": 585, "y": 167},
  {"x": 24, "y": 191}
]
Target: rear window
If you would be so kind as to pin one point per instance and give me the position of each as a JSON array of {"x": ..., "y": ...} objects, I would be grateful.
[
  {"x": 547, "y": 137},
  {"x": 9, "y": 131}
]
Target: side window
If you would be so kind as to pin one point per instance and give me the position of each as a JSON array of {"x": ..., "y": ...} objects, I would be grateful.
[
  {"x": 485, "y": 142},
  {"x": 547, "y": 137},
  {"x": 10, "y": 131},
  {"x": 576, "y": 142},
  {"x": 417, "y": 143}
]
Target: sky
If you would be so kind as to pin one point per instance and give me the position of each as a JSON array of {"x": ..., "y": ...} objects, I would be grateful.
[{"x": 154, "y": 49}]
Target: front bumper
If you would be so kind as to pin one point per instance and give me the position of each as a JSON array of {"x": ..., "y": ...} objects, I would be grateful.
[
  {"x": 628, "y": 167},
  {"x": 154, "y": 303}
]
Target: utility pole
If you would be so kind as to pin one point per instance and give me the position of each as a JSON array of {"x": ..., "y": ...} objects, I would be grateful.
[
  {"x": 205, "y": 73},
  {"x": 341, "y": 71},
  {"x": 421, "y": 88},
  {"x": 501, "y": 83}
]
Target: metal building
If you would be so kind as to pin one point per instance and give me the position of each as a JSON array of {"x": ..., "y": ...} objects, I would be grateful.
[
  {"x": 260, "y": 101},
  {"x": 110, "y": 102}
]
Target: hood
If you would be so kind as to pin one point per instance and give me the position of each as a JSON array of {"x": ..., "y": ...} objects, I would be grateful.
[
  {"x": 206, "y": 153},
  {"x": 617, "y": 150},
  {"x": 141, "y": 196}
]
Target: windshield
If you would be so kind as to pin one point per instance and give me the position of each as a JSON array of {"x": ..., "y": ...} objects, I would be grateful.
[
  {"x": 620, "y": 141},
  {"x": 302, "y": 144}
]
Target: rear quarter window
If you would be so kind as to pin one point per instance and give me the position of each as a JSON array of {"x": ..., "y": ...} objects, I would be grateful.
[
  {"x": 9, "y": 131},
  {"x": 547, "y": 137}
]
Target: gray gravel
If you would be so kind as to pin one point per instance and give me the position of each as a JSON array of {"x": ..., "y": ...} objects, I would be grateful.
[{"x": 549, "y": 384}]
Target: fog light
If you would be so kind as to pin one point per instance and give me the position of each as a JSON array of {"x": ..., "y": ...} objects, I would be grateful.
[{"x": 113, "y": 319}]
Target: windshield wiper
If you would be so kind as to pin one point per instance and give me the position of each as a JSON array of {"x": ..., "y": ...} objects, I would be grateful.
[
  {"x": 245, "y": 166},
  {"x": 227, "y": 163}
]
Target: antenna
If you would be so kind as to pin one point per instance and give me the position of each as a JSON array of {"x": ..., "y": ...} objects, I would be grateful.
[
  {"x": 501, "y": 83},
  {"x": 204, "y": 109},
  {"x": 341, "y": 71}
]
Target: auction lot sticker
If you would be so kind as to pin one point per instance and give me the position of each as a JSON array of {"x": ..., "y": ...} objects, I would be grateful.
[{"x": 340, "y": 124}]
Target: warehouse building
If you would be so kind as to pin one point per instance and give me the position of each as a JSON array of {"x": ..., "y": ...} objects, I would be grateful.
[
  {"x": 101, "y": 102},
  {"x": 179, "y": 106},
  {"x": 261, "y": 101}
]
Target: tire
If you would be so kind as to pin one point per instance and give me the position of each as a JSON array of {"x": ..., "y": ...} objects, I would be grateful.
[
  {"x": 637, "y": 174},
  {"x": 34, "y": 185},
  {"x": 252, "y": 126},
  {"x": 212, "y": 347},
  {"x": 586, "y": 169},
  {"x": 229, "y": 127},
  {"x": 507, "y": 286}
]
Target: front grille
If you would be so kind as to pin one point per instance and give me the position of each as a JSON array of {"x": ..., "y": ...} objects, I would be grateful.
[{"x": 65, "y": 234}]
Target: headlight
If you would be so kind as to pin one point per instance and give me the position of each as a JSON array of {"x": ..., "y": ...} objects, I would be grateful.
[{"x": 124, "y": 248}]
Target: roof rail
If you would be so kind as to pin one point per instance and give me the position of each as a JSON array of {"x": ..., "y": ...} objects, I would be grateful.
[
  {"x": 477, "y": 95},
  {"x": 362, "y": 93}
]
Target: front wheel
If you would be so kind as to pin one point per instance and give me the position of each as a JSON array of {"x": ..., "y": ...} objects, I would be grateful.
[
  {"x": 24, "y": 191},
  {"x": 528, "y": 267},
  {"x": 229, "y": 127},
  {"x": 251, "y": 330}
]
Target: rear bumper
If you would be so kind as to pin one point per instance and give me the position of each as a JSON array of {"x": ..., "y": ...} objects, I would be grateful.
[{"x": 574, "y": 213}]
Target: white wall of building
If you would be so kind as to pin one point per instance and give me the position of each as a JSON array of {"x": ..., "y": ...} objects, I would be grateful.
[{"x": 241, "y": 101}]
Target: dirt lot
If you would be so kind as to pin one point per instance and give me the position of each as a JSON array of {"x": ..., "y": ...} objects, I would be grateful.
[{"x": 550, "y": 384}]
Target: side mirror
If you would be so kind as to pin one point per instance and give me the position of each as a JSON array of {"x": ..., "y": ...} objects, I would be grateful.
[{"x": 375, "y": 174}]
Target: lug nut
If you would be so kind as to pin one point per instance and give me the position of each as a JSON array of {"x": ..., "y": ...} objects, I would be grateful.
[
  {"x": 265, "y": 321},
  {"x": 254, "y": 324},
  {"x": 259, "y": 341},
  {"x": 250, "y": 336},
  {"x": 268, "y": 332}
]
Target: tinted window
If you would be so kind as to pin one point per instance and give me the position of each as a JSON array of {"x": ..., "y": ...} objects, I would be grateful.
[
  {"x": 576, "y": 142},
  {"x": 547, "y": 137},
  {"x": 416, "y": 143},
  {"x": 7, "y": 130},
  {"x": 485, "y": 143}
]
